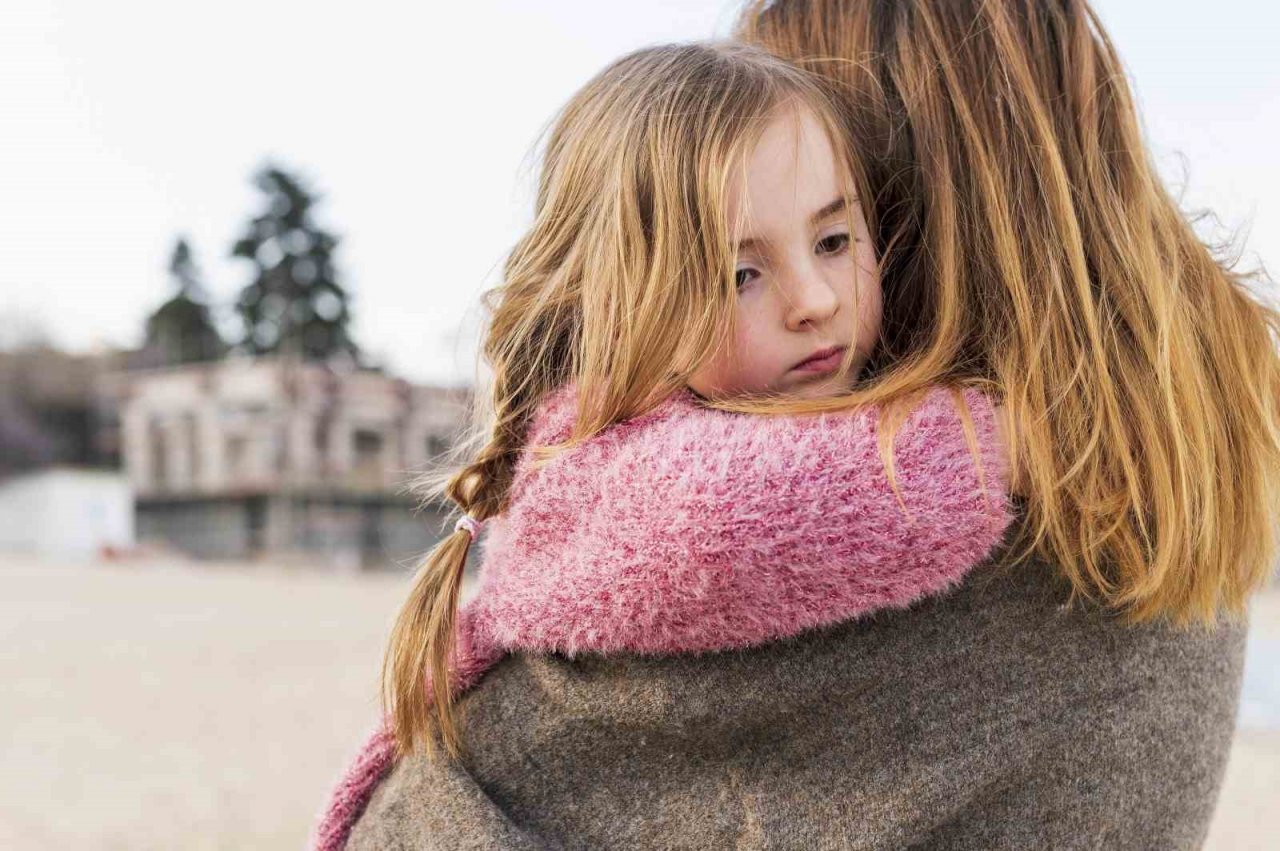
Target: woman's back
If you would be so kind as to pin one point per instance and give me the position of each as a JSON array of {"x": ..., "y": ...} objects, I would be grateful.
[{"x": 989, "y": 717}]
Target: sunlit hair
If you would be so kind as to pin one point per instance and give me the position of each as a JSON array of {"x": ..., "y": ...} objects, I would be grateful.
[
  {"x": 1025, "y": 236},
  {"x": 625, "y": 284}
]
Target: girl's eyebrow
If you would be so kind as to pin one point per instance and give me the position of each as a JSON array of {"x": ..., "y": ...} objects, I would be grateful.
[
  {"x": 829, "y": 210},
  {"x": 816, "y": 219}
]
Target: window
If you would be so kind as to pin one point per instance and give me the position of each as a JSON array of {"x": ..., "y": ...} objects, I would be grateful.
[
  {"x": 368, "y": 444},
  {"x": 237, "y": 447}
]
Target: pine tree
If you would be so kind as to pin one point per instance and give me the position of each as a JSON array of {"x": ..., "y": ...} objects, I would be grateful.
[
  {"x": 294, "y": 304},
  {"x": 181, "y": 330}
]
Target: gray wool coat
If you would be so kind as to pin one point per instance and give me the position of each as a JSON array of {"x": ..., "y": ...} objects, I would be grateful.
[{"x": 986, "y": 718}]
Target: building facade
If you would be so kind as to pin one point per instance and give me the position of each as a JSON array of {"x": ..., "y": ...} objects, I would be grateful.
[{"x": 284, "y": 459}]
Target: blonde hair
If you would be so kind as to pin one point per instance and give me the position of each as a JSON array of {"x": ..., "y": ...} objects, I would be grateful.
[
  {"x": 1025, "y": 235},
  {"x": 624, "y": 283}
]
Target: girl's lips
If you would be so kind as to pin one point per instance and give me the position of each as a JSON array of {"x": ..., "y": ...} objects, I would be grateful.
[{"x": 826, "y": 364}]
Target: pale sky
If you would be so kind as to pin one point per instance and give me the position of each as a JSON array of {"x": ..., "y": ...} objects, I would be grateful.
[{"x": 125, "y": 124}]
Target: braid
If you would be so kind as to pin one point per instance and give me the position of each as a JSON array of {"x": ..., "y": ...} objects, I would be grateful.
[{"x": 422, "y": 639}]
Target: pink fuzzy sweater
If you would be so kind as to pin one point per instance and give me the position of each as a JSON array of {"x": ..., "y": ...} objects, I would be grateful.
[{"x": 688, "y": 529}]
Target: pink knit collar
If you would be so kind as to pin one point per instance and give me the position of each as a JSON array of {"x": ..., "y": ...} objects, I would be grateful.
[{"x": 689, "y": 529}]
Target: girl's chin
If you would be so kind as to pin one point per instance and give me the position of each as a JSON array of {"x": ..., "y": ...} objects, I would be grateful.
[
  {"x": 817, "y": 387},
  {"x": 831, "y": 384}
]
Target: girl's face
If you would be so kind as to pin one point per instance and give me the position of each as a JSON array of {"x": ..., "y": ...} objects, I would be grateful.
[{"x": 798, "y": 269}]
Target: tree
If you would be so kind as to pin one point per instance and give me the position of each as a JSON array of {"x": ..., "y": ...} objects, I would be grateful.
[
  {"x": 294, "y": 304},
  {"x": 181, "y": 330}
]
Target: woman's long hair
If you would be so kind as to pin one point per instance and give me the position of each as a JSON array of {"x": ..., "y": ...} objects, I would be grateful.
[
  {"x": 624, "y": 284},
  {"x": 1025, "y": 235}
]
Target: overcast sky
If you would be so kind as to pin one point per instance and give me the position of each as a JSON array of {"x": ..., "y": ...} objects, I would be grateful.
[{"x": 125, "y": 124}]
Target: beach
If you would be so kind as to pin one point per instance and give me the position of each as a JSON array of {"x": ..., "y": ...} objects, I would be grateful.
[{"x": 170, "y": 704}]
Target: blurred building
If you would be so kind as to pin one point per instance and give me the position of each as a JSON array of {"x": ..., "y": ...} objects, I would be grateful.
[
  {"x": 51, "y": 412},
  {"x": 62, "y": 494},
  {"x": 275, "y": 457}
]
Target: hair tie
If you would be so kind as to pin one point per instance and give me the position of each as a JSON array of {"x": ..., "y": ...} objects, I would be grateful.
[{"x": 469, "y": 523}]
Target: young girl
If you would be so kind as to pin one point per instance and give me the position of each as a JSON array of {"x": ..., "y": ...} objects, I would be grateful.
[{"x": 699, "y": 253}]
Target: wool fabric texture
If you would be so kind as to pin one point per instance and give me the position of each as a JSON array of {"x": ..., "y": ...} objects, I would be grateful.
[
  {"x": 986, "y": 718},
  {"x": 692, "y": 531}
]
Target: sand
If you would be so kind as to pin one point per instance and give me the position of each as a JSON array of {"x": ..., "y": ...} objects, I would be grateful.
[{"x": 168, "y": 705}]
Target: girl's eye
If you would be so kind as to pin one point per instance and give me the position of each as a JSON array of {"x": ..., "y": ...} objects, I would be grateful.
[
  {"x": 741, "y": 276},
  {"x": 834, "y": 244}
]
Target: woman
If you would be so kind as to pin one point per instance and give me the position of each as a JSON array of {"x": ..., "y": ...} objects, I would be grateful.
[{"x": 1027, "y": 235}]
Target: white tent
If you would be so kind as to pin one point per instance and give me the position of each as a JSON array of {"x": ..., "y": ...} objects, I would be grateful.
[{"x": 66, "y": 512}]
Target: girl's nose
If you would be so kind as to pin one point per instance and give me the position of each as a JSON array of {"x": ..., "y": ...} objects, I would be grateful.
[{"x": 810, "y": 300}]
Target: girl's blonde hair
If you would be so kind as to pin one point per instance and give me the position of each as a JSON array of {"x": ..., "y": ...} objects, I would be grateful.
[
  {"x": 624, "y": 283},
  {"x": 1026, "y": 235}
]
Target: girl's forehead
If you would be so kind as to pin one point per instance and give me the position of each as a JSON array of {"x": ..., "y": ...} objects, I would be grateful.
[{"x": 794, "y": 159}]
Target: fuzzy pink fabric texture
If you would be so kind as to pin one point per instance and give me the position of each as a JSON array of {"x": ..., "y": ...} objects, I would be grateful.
[{"x": 688, "y": 529}]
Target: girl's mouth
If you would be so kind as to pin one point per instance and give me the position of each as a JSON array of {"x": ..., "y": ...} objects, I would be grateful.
[{"x": 822, "y": 363}]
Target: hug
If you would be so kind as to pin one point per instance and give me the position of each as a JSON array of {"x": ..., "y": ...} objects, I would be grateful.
[{"x": 875, "y": 458}]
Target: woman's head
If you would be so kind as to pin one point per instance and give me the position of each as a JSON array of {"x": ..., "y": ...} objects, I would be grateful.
[
  {"x": 1024, "y": 235},
  {"x": 632, "y": 283}
]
